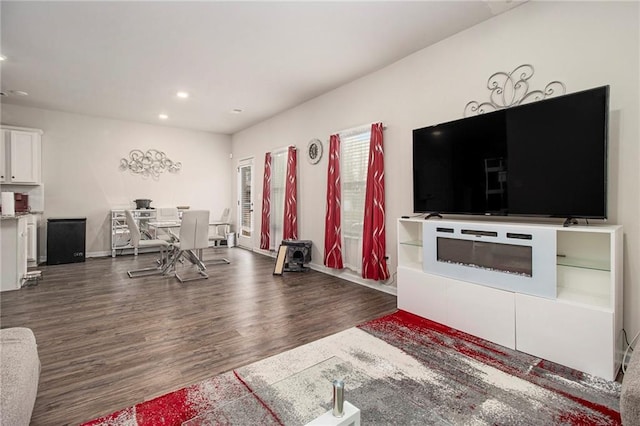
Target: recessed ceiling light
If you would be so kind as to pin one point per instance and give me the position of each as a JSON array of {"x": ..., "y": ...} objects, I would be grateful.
[
  {"x": 163, "y": 116},
  {"x": 3, "y": 58},
  {"x": 183, "y": 95},
  {"x": 236, "y": 111}
]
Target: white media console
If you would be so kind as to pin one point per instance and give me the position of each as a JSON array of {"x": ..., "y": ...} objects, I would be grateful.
[{"x": 551, "y": 291}]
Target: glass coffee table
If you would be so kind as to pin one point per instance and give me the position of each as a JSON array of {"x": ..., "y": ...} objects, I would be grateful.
[
  {"x": 303, "y": 396},
  {"x": 294, "y": 400}
]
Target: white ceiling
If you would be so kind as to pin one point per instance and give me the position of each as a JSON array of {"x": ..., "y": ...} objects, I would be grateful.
[{"x": 126, "y": 60}]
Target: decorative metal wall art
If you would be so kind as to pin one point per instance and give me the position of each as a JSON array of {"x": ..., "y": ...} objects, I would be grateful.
[
  {"x": 150, "y": 163},
  {"x": 511, "y": 89}
]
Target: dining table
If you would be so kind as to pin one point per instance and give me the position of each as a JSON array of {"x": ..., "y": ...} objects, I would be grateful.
[{"x": 168, "y": 228}]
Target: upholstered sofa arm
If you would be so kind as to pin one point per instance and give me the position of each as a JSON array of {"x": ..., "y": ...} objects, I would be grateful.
[
  {"x": 630, "y": 396},
  {"x": 19, "y": 374}
]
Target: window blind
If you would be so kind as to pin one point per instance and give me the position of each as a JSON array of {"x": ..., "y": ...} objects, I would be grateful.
[{"x": 354, "y": 159}]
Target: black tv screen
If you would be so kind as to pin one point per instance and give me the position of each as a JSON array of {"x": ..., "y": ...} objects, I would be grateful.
[{"x": 547, "y": 158}]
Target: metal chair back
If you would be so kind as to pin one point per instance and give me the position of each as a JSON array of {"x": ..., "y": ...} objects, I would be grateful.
[
  {"x": 137, "y": 241},
  {"x": 134, "y": 231},
  {"x": 194, "y": 230}
]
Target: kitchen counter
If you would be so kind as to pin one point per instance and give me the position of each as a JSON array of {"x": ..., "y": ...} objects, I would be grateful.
[
  {"x": 14, "y": 250},
  {"x": 17, "y": 216}
]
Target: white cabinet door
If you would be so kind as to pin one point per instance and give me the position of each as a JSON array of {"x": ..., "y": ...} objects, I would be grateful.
[
  {"x": 25, "y": 157},
  {"x": 32, "y": 239},
  {"x": 577, "y": 336},
  {"x": 422, "y": 294},
  {"x": 475, "y": 309},
  {"x": 482, "y": 311},
  {"x": 3, "y": 158},
  {"x": 23, "y": 246}
]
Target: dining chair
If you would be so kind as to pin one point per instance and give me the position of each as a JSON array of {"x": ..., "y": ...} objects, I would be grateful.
[
  {"x": 219, "y": 232},
  {"x": 137, "y": 242},
  {"x": 194, "y": 237},
  {"x": 167, "y": 214}
]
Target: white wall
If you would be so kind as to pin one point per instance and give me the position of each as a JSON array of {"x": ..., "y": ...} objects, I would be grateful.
[
  {"x": 80, "y": 166},
  {"x": 583, "y": 44}
]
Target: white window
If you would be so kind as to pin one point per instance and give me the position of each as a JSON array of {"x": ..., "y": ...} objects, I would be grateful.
[
  {"x": 278, "y": 180},
  {"x": 354, "y": 160}
]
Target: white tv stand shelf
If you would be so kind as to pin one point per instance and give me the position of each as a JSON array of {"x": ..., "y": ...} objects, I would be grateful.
[{"x": 551, "y": 291}]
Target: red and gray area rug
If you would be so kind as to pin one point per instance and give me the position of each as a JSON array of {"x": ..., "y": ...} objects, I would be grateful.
[{"x": 398, "y": 369}]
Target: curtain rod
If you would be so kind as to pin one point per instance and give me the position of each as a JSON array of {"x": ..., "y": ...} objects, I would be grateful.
[
  {"x": 281, "y": 149},
  {"x": 353, "y": 129}
]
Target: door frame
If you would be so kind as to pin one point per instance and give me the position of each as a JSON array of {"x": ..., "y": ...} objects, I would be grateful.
[{"x": 245, "y": 241}]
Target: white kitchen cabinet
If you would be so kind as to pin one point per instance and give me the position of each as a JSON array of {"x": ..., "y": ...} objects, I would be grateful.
[
  {"x": 14, "y": 252},
  {"x": 32, "y": 239},
  {"x": 577, "y": 324},
  {"x": 22, "y": 151}
]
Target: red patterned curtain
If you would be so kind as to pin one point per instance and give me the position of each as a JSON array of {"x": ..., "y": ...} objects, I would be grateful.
[
  {"x": 290, "y": 226},
  {"x": 332, "y": 232},
  {"x": 266, "y": 203},
  {"x": 374, "y": 264}
]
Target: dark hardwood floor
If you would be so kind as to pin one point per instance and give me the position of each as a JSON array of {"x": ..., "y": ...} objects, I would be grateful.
[{"x": 106, "y": 341}]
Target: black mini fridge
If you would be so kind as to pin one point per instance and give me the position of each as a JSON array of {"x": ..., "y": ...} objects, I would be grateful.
[{"x": 66, "y": 240}]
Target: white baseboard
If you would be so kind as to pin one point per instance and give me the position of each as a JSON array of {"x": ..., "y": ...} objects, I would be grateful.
[
  {"x": 98, "y": 254},
  {"x": 346, "y": 274}
]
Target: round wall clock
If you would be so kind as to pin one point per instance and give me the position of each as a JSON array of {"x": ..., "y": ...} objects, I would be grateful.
[{"x": 314, "y": 151}]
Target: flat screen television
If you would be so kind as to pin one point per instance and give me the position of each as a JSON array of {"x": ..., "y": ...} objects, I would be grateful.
[{"x": 547, "y": 158}]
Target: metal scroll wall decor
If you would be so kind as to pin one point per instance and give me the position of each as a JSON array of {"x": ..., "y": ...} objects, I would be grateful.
[
  {"x": 150, "y": 163},
  {"x": 511, "y": 89}
]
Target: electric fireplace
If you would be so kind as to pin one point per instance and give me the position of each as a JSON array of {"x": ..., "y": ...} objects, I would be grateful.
[{"x": 506, "y": 257}]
